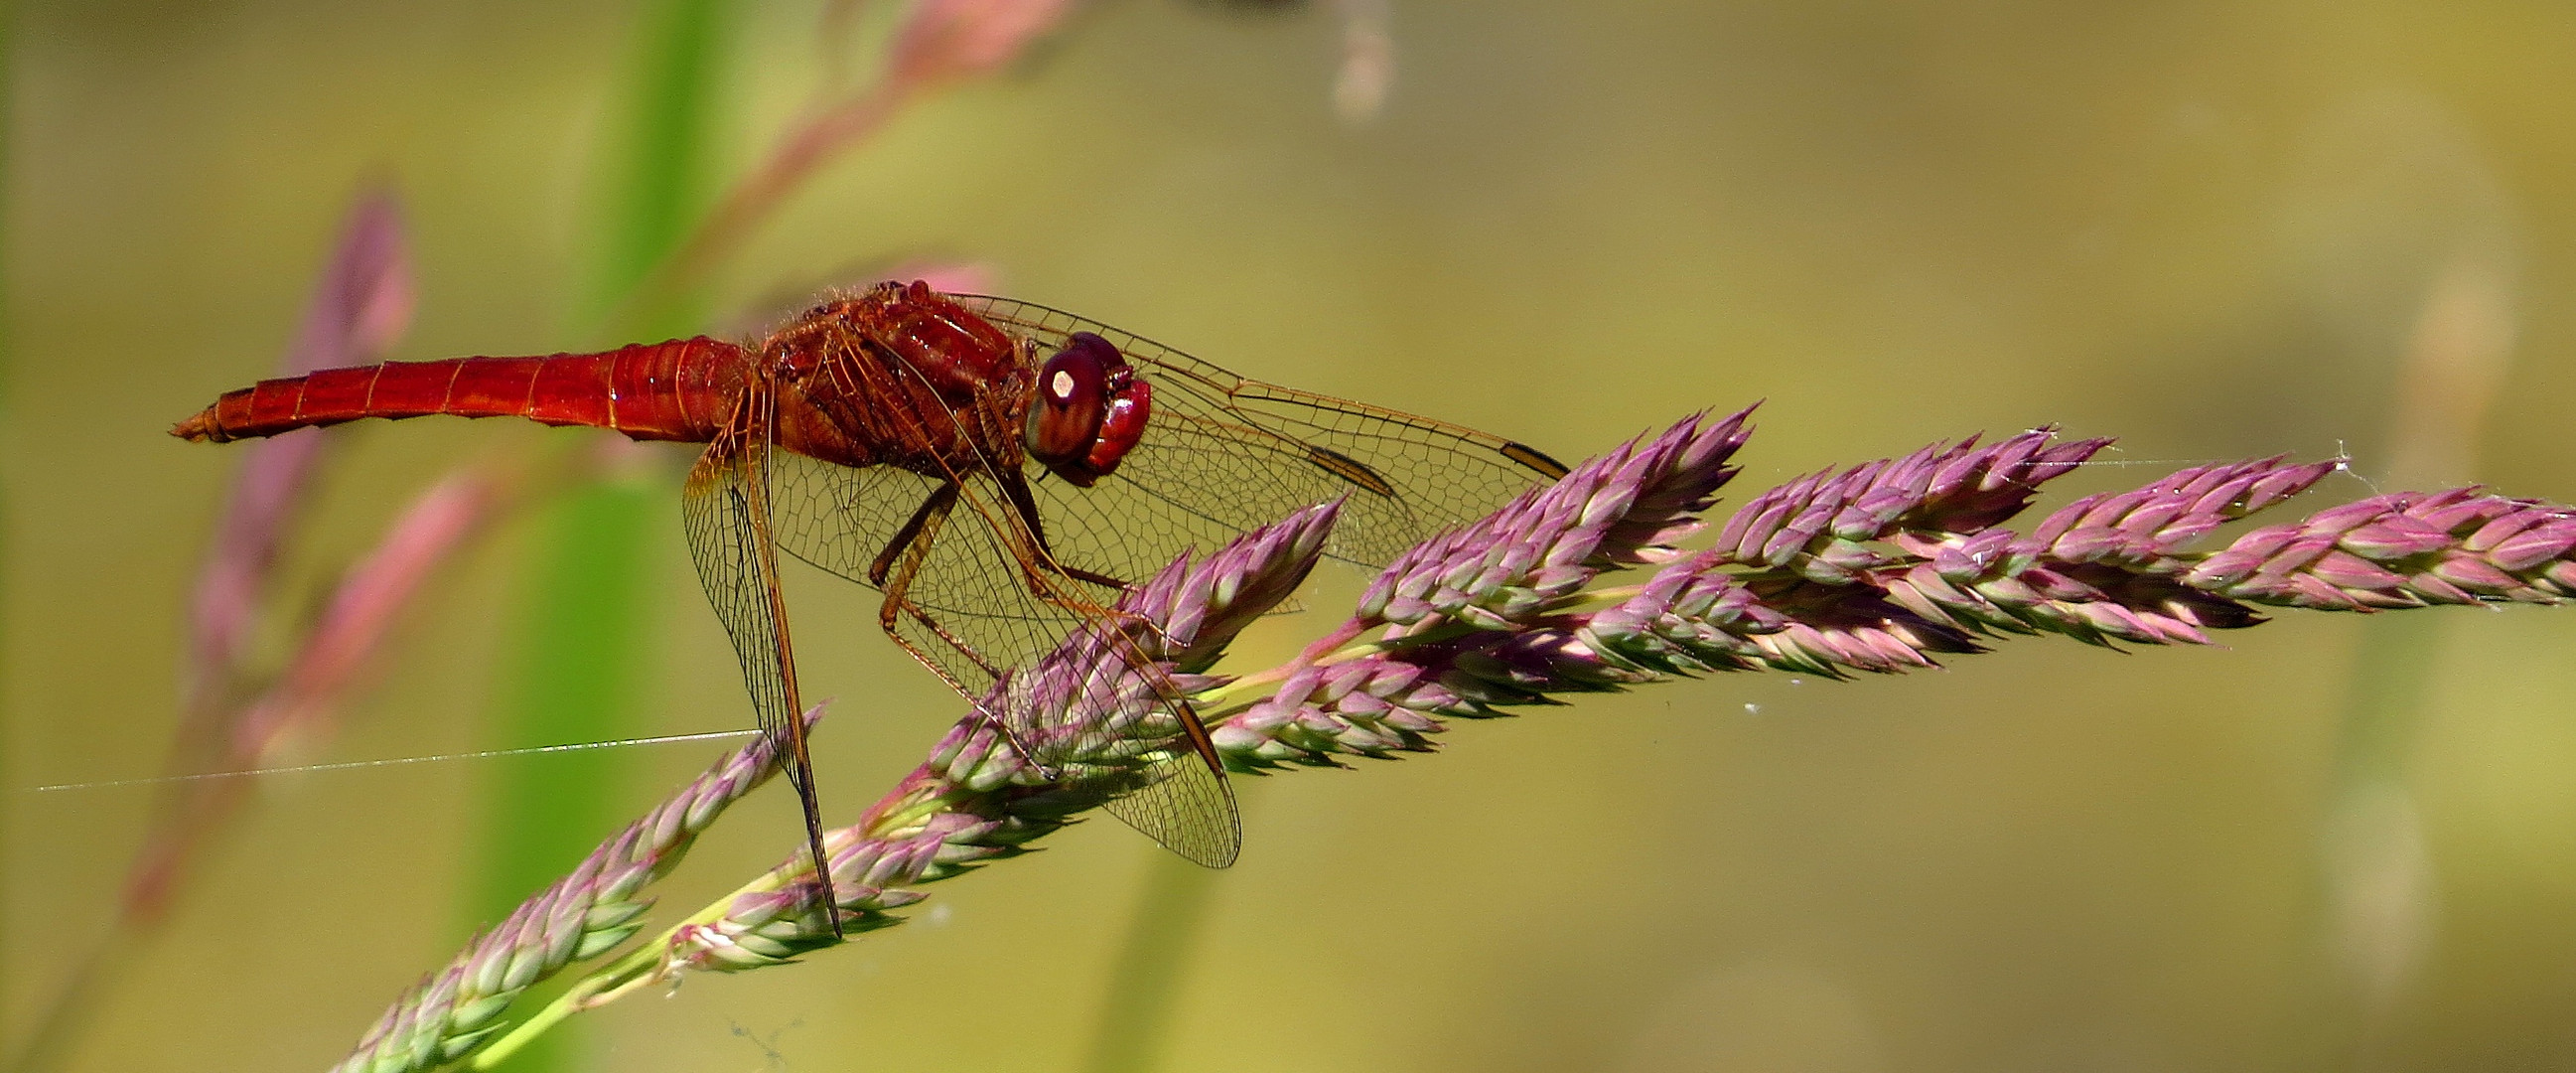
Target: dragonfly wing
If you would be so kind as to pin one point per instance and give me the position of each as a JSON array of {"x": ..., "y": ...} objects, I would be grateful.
[
  {"x": 984, "y": 600},
  {"x": 725, "y": 508},
  {"x": 1186, "y": 807},
  {"x": 1151, "y": 760},
  {"x": 1222, "y": 454},
  {"x": 970, "y": 581},
  {"x": 1134, "y": 739},
  {"x": 1150, "y": 757},
  {"x": 1406, "y": 477},
  {"x": 839, "y": 517}
]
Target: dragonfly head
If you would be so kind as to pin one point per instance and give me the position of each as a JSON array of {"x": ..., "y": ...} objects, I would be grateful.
[{"x": 1089, "y": 410}]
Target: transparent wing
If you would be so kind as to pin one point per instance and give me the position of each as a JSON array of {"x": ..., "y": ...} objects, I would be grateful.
[
  {"x": 1101, "y": 716},
  {"x": 977, "y": 600},
  {"x": 1222, "y": 454},
  {"x": 1175, "y": 793},
  {"x": 988, "y": 589},
  {"x": 725, "y": 510},
  {"x": 970, "y": 577}
]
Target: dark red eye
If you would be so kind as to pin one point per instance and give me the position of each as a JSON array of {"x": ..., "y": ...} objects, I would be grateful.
[
  {"x": 1089, "y": 411},
  {"x": 1072, "y": 397},
  {"x": 1131, "y": 402}
]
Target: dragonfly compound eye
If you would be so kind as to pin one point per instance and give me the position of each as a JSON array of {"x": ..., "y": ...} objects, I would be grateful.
[
  {"x": 1072, "y": 397},
  {"x": 1131, "y": 402},
  {"x": 1089, "y": 410}
]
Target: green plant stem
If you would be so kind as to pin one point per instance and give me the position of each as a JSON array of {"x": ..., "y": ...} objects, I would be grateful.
[
  {"x": 2391, "y": 677},
  {"x": 1145, "y": 987},
  {"x": 575, "y": 682},
  {"x": 658, "y": 188},
  {"x": 588, "y": 616},
  {"x": 607, "y": 981}
]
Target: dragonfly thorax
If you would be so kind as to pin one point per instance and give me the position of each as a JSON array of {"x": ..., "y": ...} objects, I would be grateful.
[{"x": 900, "y": 376}]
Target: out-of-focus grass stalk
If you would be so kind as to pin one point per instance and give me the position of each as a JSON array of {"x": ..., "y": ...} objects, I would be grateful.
[
  {"x": 939, "y": 42},
  {"x": 2373, "y": 862},
  {"x": 658, "y": 178},
  {"x": 1144, "y": 988},
  {"x": 235, "y": 712},
  {"x": 586, "y": 618},
  {"x": 7, "y": 1000}
]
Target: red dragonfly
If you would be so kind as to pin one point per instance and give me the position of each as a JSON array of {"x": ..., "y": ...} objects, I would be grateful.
[{"x": 1086, "y": 457}]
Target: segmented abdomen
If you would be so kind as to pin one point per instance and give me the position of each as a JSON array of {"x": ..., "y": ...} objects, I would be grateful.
[{"x": 679, "y": 390}]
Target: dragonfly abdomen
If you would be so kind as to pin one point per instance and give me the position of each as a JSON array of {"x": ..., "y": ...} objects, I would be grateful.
[{"x": 679, "y": 390}]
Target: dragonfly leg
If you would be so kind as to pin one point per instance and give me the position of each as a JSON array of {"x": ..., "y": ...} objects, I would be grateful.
[
  {"x": 1025, "y": 504},
  {"x": 932, "y": 511},
  {"x": 899, "y": 565},
  {"x": 895, "y": 570},
  {"x": 895, "y": 608}
]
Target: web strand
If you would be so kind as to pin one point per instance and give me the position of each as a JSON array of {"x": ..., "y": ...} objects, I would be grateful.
[{"x": 346, "y": 765}]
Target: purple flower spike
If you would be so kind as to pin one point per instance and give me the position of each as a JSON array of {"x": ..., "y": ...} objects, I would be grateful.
[
  {"x": 2142, "y": 526},
  {"x": 1883, "y": 568},
  {"x": 580, "y": 916},
  {"x": 1819, "y": 526},
  {"x": 2405, "y": 549},
  {"x": 1622, "y": 508}
]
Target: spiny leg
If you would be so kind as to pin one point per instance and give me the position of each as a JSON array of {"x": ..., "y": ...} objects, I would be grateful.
[
  {"x": 895, "y": 570},
  {"x": 900, "y": 564},
  {"x": 932, "y": 512},
  {"x": 1025, "y": 504}
]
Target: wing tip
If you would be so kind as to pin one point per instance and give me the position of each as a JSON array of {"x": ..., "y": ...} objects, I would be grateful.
[{"x": 1212, "y": 861}]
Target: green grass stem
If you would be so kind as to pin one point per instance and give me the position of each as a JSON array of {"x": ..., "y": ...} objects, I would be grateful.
[
  {"x": 587, "y": 615},
  {"x": 1144, "y": 988}
]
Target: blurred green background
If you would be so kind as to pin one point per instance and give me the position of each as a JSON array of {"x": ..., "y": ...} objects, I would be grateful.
[{"x": 2214, "y": 230}]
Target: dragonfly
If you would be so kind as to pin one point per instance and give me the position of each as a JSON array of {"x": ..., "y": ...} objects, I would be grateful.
[{"x": 998, "y": 471}]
